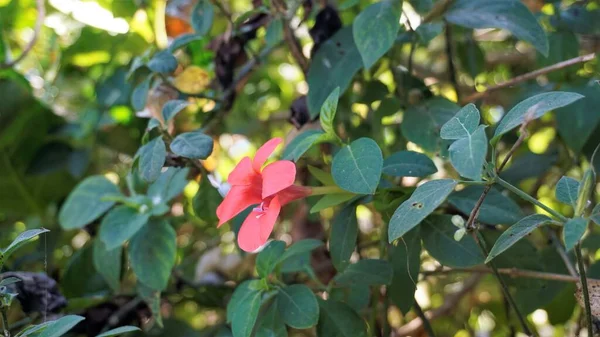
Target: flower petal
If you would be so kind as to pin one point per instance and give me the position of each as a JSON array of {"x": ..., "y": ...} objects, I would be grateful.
[
  {"x": 257, "y": 227},
  {"x": 292, "y": 193},
  {"x": 264, "y": 152},
  {"x": 242, "y": 174},
  {"x": 237, "y": 199},
  {"x": 277, "y": 176}
]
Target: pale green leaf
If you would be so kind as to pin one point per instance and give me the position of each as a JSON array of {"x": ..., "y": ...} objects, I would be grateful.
[
  {"x": 172, "y": 108},
  {"x": 61, "y": 326},
  {"x": 566, "y": 190},
  {"x": 194, "y": 145},
  {"x": 330, "y": 200},
  {"x": 463, "y": 124},
  {"x": 152, "y": 159},
  {"x": 328, "y": 111},
  {"x": 573, "y": 232},
  {"x": 119, "y": 331},
  {"x": 375, "y": 30},
  {"x": 301, "y": 143},
  {"x": 467, "y": 155},
  {"x": 408, "y": 164},
  {"x": 516, "y": 232}
]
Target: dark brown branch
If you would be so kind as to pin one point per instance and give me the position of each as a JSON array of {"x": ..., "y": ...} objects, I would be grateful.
[{"x": 41, "y": 14}]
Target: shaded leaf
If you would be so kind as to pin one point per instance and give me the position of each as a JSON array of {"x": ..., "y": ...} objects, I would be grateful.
[
  {"x": 516, "y": 232},
  {"x": 120, "y": 225},
  {"x": 298, "y": 306},
  {"x": 496, "y": 208},
  {"x": 163, "y": 62},
  {"x": 342, "y": 240},
  {"x": 172, "y": 108},
  {"x": 437, "y": 232},
  {"x": 119, "y": 331},
  {"x": 338, "y": 319},
  {"x": 330, "y": 200},
  {"x": 408, "y": 164},
  {"x": 267, "y": 259},
  {"x": 328, "y": 111},
  {"x": 108, "y": 263},
  {"x": 577, "y": 122},
  {"x": 84, "y": 204},
  {"x": 61, "y": 326},
  {"x": 422, "y": 123},
  {"x": 405, "y": 258},
  {"x": 168, "y": 185},
  {"x": 357, "y": 167},
  {"x": 245, "y": 314},
  {"x": 566, "y": 190},
  {"x": 152, "y": 159},
  {"x": 194, "y": 145},
  {"x": 573, "y": 232},
  {"x": 375, "y": 30},
  {"x": 366, "y": 272}
]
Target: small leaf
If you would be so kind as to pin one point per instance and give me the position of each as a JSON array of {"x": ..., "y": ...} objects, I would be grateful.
[
  {"x": 496, "y": 208},
  {"x": 20, "y": 240},
  {"x": 120, "y": 225},
  {"x": 152, "y": 254},
  {"x": 298, "y": 306},
  {"x": 202, "y": 17},
  {"x": 245, "y": 315},
  {"x": 338, "y": 319},
  {"x": 301, "y": 143},
  {"x": 463, "y": 124},
  {"x": 533, "y": 108},
  {"x": 573, "y": 232},
  {"x": 566, "y": 190},
  {"x": 241, "y": 294},
  {"x": 108, "y": 264},
  {"x": 140, "y": 94},
  {"x": 516, "y": 232},
  {"x": 61, "y": 326},
  {"x": 84, "y": 204},
  {"x": 267, "y": 259},
  {"x": 183, "y": 40},
  {"x": 119, "y": 331},
  {"x": 367, "y": 272},
  {"x": 163, "y": 62},
  {"x": 152, "y": 159},
  {"x": 324, "y": 177},
  {"x": 437, "y": 232},
  {"x": 406, "y": 262},
  {"x": 342, "y": 240},
  {"x": 330, "y": 200},
  {"x": 172, "y": 108},
  {"x": 424, "y": 200},
  {"x": 168, "y": 185},
  {"x": 328, "y": 111},
  {"x": 467, "y": 155},
  {"x": 274, "y": 33},
  {"x": 408, "y": 164},
  {"x": 595, "y": 215},
  {"x": 194, "y": 145},
  {"x": 153, "y": 123},
  {"x": 375, "y": 30},
  {"x": 357, "y": 167}
]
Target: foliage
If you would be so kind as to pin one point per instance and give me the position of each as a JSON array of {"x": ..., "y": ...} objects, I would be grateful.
[{"x": 445, "y": 160}]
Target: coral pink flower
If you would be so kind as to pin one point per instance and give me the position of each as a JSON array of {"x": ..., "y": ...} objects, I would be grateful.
[{"x": 270, "y": 188}]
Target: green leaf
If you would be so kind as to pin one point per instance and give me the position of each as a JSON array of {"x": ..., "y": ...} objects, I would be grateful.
[
  {"x": 324, "y": 177},
  {"x": 496, "y": 208},
  {"x": 573, "y": 232},
  {"x": 366, "y": 272},
  {"x": 274, "y": 32},
  {"x": 267, "y": 259},
  {"x": 140, "y": 94},
  {"x": 202, "y": 17},
  {"x": 333, "y": 65},
  {"x": 84, "y": 204},
  {"x": 299, "y": 248},
  {"x": 242, "y": 293},
  {"x": 153, "y": 123},
  {"x": 33, "y": 330},
  {"x": 172, "y": 108},
  {"x": 301, "y": 143},
  {"x": 467, "y": 155},
  {"x": 533, "y": 108},
  {"x": 194, "y": 145},
  {"x": 595, "y": 215},
  {"x": 152, "y": 299},
  {"x": 516, "y": 232},
  {"x": 163, "y": 62},
  {"x": 184, "y": 40},
  {"x": 529, "y": 165},
  {"x": 206, "y": 201},
  {"x": 356, "y": 296},
  {"x": 463, "y": 124},
  {"x": 357, "y": 167},
  {"x": 408, "y": 164},
  {"x": 375, "y": 30},
  {"x": 424, "y": 200},
  {"x": 120, "y": 225},
  {"x": 108, "y": 264},
  {"x": 437, "y": 232},
  {"x": 168, "y": 185},
  {"x": 563, "y": 45},
  {"x": 338, "y": 319},
  {"x": 8, "y": 281},
  {"x": 405, "y": 258},
  {"x": 328, "y": 111},
  {"x": 330, "y": 200},
  {"x": 298, "y": 306},
  {"x": 271, "y": 324},
  {"x": 245, "y": 314},
  {"x": 511, "y": 15},
  {"x": 152, "y": 159},
  {"x": 422, "y": 123},
  {"x": 61, "y": 326},
  {"x": 20, "y": 240},
  {"x": 119, "y": 331},
  {"x": 152, "y": 254},
  {"x": 577, "y": 122},
  {"x": 566, "y": 190},
  {"x": 342, "y": 240}
]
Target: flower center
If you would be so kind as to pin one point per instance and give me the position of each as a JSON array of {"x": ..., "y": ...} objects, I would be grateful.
[{"x": 262, "y": 208}]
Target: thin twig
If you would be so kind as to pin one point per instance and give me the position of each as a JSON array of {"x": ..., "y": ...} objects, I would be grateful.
[
  {"x": 426, "y": 323},
  {"x": 511, "y": 272},
  {"x": 584, "y": 287},
  {"x": 123, "y": 311},
  {"x": 563, "y": 254},
  {"x": 41, "y": 14},
  {"x": 530, "y": 76}
]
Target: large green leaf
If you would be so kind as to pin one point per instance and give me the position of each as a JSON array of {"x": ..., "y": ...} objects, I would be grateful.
[
  {"x": 152, "y": 158},
  {"x": 529, "y": 165},
  {"x": 80, "y": 277},
  {"x": 108, "y": 263},
  {"x": 242, "y": 292},
  {"x": 405, "y": 258},
  {"x": 245, "y": 313},
  {"x": 298, "y": 305},
  {"x": 357, "y": 167},
  {"x": 516, "y": 232},
  {"x": 463, "y": 124},
  {"x": 573, "y": 232},
  {"x": 194, "y": 145},
  {"x": 152, "y": 254},
  {"x": 577, "y": 122},
  {"x": 299, "y": 248},
  {"x": 467, "y": 155},
  {"x": 511, "y": 15},
  {"x": 338, "y": 319},
  {"x": 120, "y": 225},
  {"x": 421, "y": 124},
  {"x": 375, "y": 30},
  {"x": 61, "y": 326},
  {"x": 267, "y": 259},
  {"x": 342, "y": 240},
  {"x": 332, "y": 66},
  {"x": 356, "y": 296},
  {"x": 301, "y": 143},
  {"x": 567, "y": 190},
  {"x": 408, "y": 164},
  {"x": 437, "y": 232},
  {"x": 496, "y": 208},
  {"x": 271, "y": 324},
  {"x": 424, "y": 200},
  {"x": 366, "y": 272},
  {"x": 533, "y": 108},
  {"x": 84, "y": 204}
]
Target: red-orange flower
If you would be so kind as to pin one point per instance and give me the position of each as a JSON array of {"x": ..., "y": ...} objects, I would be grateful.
[{"x": 270, "y": 188}]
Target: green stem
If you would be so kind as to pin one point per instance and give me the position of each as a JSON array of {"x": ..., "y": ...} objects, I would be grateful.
[
  {"x": 469, "y": 182},
  {"x": 4, "y": 315},
  {"x": 426, "y": 323},
  {"x": 321, "y": 190},
  {"x": 531, "y": 199},
  {"x": 584, "y": 287}
]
